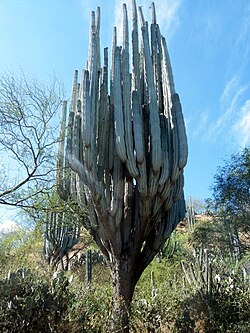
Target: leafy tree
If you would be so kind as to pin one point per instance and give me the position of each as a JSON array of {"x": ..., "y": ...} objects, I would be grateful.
[
  {"x": 231, "y": 193},
  {"x": 19, "y": 248},
  {"x": 210, "y": 233}
]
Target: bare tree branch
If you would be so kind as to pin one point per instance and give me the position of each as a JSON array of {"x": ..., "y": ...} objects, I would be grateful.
[{"x": 28, "y": 137}]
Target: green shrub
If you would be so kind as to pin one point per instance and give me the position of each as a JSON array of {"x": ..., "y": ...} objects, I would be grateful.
[
  {"x": 89, "y": 309},
  {"x": 157, "y": 298},
  {"x": 224, "y": 310},
  {"x": 30, "y": 304},
  {"x": 163, "y": 302},
  {"x": 169, "y": 305}
]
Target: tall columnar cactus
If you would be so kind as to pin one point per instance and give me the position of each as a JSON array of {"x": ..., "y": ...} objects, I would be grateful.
[
  {"x": 127, "y": 144},
  {"x": 62, "y": 233}
]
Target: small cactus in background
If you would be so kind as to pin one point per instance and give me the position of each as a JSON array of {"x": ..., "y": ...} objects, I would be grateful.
[
  {"x": 190, "y": 216},
  {"x": 199, "y": 275},
  {"x": 59, "y": 238},
  {"x": 126, "y": 146},
  {"x": 88, "y": 266},
  {"x": 168, "y": 248}
]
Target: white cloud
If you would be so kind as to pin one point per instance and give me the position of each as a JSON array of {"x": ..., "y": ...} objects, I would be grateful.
[
  {"x": 242, "y": 127},
  {"x": 229, "y": 89},
  {"x": 168, "y": 16},
  {"x": 230, "y": 104},
  {"x": 8, "y": 226}
]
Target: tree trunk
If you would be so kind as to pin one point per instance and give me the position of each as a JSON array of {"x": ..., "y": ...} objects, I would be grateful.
[
  {"x": 123, "y": 287},
  {"x": 235, "y": 241}
]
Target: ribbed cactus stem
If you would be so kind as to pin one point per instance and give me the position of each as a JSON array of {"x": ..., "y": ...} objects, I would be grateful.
[
  {"x": 166, "y": 59},
  {"x": 153, "y": 108},
  {"x": 183, "y": 149},
  {"x": 138, "y": 127},
  {"x": 141, "y": 16},
  {"x": 104, "y": 121},
  {"x": 164, "y": 145},
  {"x": 60, "y": 176},
  {"x": 85, "y": 98},
  {"x": 135, "y": 50},
  {"x": 88, "y": 267},
  {"x": 118, "y": 108},
  {"x": 126, "y": 98}
]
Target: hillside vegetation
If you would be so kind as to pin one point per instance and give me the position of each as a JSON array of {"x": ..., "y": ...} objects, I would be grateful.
[
  {"x": 193, "y": 285},
  {"x": 198, "y": 282}
]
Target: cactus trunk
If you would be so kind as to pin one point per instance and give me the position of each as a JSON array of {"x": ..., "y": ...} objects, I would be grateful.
[{"x": 123, "y": 288}]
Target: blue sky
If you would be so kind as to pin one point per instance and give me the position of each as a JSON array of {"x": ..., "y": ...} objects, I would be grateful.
[{"x": 209, "y": 46}]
